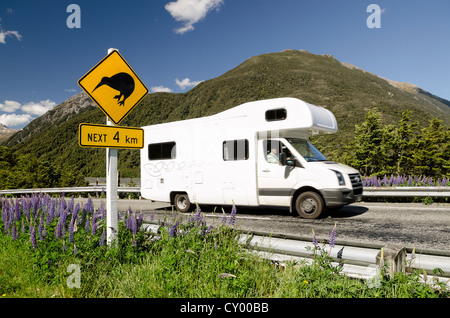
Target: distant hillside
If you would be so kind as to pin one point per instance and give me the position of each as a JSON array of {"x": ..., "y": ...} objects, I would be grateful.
[
  {"x": 6, "y": 132},
  {"x": 346, "y": 90}
]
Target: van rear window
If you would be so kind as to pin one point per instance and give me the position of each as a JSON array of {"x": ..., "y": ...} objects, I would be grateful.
[
  {"x": 276, "y": 114},
  {"x": 162, "y": 151}
]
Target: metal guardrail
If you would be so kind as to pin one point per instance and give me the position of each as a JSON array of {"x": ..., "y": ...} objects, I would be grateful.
[
  {"x": 357, "y": 261},
  {"x": 407, "y": 192},
  {"x": 367, "y": 191},
  {"x": 69, "y": 190}
]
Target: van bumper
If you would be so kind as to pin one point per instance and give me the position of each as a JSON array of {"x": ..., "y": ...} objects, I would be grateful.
[{"x": 339, "y": 197}]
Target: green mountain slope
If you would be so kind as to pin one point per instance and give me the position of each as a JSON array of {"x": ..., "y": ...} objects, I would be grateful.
[{"x": 347, "y": 91}]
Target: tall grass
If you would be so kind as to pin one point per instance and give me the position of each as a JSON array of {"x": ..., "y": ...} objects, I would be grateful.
[{"x": 41, "y": 237}]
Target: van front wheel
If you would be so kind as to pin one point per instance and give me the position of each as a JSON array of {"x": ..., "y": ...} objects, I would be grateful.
[
  {"x": 181, "y": 202},
  {"x": 309, "y": 205}
]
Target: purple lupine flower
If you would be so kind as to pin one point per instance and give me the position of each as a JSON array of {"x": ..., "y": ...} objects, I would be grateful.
[
  {"x": 198, "y": 215},
  {"x": 224, "y": 218},
  {"x": 173, "y": 229},
  {"x": 94, "y": 227},
  {"x": 410, "y": 182},
  {"x": 50, "y": 213},
  {"x": 46, "y": 202},
  {"x": 27, "y": 207},
  {"x": 333, "y": 237},
  {"x": 33, "y": 237},
  {"x": 314, "y": 240},
  {"x": 35, "y": 202},
  {"x": 75, "y": 250},
  {"x": 71, "y": 230},
  {"x": 233, "y": 215},
  {"x": 102, "y": 239},
  {"x": 102, "y": 211},
  {"x": 62, "y": 203},
  {"x": 40, "y": 228},
  {"x": 89, "y": 206},
  {"x": 71, "y": 204},
  {"x": 17, "y": 210},
  {"x": 86, "y": 226},
  {"x": 15, "y": 235},
  {"x": 58, "y": 230},
  {"x": 94, "y": 223},
  {"x": 64, "y": 246},
  {"x": 134, "y": 226},
  {"x": 76, "y": 210}
]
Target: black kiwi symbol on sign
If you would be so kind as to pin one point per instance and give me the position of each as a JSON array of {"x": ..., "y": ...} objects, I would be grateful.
[{"x": 121, "y": 82}]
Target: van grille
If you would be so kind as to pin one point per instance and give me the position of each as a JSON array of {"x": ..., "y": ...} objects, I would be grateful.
[{"x": 356, "y": 180}]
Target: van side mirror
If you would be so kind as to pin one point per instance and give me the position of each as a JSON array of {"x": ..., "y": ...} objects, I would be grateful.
[{"x": 283, "y": 159}]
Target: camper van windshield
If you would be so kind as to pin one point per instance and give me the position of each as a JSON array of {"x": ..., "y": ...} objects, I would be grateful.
[{"x": 308, "y": 151}]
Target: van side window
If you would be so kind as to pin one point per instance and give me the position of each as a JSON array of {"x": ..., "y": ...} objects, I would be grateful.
[
  {"x": 276, "y": 114},
  {"x": 273, "y": 149},
  {"x": 235, "y": 150},
  {"x": 162, "y": 151}
]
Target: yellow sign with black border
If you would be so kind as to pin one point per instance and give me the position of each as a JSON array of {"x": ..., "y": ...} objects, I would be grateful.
[
  {"x": 113, "y": 86},
  {"x": 106, "y": 136}
]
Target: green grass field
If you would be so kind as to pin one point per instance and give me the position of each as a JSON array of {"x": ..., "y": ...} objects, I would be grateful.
[{"x": 64, "y": 255}]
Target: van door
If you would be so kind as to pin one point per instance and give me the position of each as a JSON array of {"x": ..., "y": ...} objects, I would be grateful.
[{"x": 275, "y": 182}]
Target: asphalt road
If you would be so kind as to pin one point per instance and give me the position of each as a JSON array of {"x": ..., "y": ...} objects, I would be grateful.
[{"x": 425, "y": 227}]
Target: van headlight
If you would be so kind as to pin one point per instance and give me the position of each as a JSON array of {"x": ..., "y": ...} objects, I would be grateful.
[{"x": 340, "y": 177}]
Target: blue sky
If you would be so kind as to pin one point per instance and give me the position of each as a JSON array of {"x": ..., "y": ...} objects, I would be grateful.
[{"x": 174, "y": 44}]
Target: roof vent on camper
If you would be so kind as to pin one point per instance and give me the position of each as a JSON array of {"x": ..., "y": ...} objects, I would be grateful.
[{"x": 276, "y": 114}]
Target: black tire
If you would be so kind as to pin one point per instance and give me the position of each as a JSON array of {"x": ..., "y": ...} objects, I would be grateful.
[
  {"x": 181, "y": 202},
  {"x": 309, "y": 205}
]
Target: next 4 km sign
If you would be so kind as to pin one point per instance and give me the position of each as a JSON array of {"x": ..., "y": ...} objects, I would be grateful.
[{"x": 106, "y": 136}]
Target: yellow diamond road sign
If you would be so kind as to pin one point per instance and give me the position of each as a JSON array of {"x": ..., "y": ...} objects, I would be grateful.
[
  {"x": 113, "y": 86},
  {"x": 106, "y": 136}
]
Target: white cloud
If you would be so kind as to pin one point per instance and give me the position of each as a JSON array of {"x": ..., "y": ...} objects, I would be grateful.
[
  {"x": 156, "y": 89},
  {"x": 186, "y": 83},
  {"x": 4, "y": 34},
  {"x": 23, "y": 114},
  {"x": 190, "y": 11},
  {"x": 11, "y": 120},
  {"x": 70, "y": 90},
  {"x": 39, "y": 108},
  {"x": 9, "y": 106}
]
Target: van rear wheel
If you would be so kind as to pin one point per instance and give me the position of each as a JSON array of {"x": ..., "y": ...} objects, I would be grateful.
[
  {"x": 181, "y": 202},
  {"x": 309, "y": 205}
]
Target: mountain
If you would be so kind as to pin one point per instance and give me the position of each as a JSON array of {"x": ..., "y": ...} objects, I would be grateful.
[
  {"x": 6, "y": 132},
  {"x": 346, "y": 90}
]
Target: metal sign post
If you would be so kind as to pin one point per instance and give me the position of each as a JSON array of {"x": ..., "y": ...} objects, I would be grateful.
[{"x": 111, "y": 191}]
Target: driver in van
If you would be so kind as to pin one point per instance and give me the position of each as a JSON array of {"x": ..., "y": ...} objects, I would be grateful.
[{"x": 272, "y": 157}]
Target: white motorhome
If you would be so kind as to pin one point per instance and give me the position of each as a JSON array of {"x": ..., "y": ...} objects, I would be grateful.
[{"x": 255, "y": 154}]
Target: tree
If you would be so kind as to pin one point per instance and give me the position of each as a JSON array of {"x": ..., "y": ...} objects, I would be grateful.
[
  {"x": 365, "y": 152},
  {"x": 398, "y": 146},
  {"x": 431, "y": 156}
]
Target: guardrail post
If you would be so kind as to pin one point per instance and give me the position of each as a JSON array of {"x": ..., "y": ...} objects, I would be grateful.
[{"x": 393, "y": 257}]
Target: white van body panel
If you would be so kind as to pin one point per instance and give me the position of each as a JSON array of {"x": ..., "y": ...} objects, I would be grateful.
[{"x": 199, "y": 164}]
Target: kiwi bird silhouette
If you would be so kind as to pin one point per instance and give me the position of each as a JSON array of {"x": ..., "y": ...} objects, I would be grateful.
[{"x": 121, "y": 82}]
